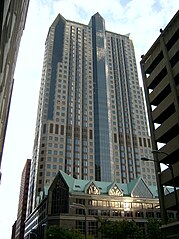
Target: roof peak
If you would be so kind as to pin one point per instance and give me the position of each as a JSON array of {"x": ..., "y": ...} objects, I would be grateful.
[{"x": 97, "y": 14}]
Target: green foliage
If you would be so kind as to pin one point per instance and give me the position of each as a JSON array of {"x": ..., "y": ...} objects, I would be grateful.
[
  {"x": 90, "y": 237},
  {"x": 153, "y": 229},
  {"x": 111, "y": 229},
  {"x": 121, "y": 229},
  {"x": 55, "y": 232}
]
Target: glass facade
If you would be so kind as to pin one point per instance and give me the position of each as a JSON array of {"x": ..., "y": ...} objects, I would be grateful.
[{"x": 101, "y": 123}]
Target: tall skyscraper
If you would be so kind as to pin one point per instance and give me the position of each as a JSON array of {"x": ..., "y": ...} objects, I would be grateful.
[{"x": 91, "y": 120}]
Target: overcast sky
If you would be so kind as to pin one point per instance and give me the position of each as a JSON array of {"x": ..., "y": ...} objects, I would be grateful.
[{"x": 141, "y": 18}]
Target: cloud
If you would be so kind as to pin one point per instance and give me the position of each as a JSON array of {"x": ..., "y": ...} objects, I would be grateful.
[
  {"x": 142, "y": 19},
  {"x": 82, "y": 10}
]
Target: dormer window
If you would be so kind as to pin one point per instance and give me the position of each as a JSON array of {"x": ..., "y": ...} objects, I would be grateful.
[
  {"x": 93, "y": 189},
  {"x": 115, "y": 191}
]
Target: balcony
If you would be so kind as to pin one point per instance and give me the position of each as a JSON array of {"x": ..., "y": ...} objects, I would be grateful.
[
  {"x": 170, "y": 201},
  {"x": 167, "y": 130}
]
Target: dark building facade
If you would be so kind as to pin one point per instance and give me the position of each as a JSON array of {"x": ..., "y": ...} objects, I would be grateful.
[
  {"x": 12, "y": 21},
  {"x": 91, "y": 120},
  {"x": 22, "y": 206},
  {"x": 160, "y": 70}
]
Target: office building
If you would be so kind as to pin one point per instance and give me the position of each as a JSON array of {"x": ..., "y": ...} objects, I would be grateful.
[
  {"x": 12, "y": 21},
  {"x": 22, "y": 206},
  {"x": 91, "y": 120},
  {"x": 160, "y": 70},
  {"x": 72, "y": 203}
]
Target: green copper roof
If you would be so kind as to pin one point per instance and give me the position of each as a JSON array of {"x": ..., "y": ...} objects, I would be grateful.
[
  {"x": 77, "y": 185},
  {"x": 68, "y": 179},
  {"x": 132, "y": 184},
  {"x": 136, "y": 188}
]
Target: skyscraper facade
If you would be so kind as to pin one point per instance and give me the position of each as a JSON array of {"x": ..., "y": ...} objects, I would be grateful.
[{"x": 91, "y": 120}]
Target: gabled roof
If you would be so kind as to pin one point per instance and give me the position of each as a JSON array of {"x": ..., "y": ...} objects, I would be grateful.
[
  {"x": 141, "y": 189},
  {"x": 77, "y": 185},
  {"x": 132, "y": 184},
  {"x": 68, "y": 179},
  {"x": 92, "y": 188},
  {"x": 154, "y": 191},
  {"x": 136, "y": 188},
  {"x": 88, "y": 185},
  {"x": 115, "y": 190}
]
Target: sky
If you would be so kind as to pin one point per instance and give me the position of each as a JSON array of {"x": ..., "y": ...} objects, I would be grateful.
[{"x": 141, "y": 18}]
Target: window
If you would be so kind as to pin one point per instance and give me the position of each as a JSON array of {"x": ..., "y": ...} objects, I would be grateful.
[
  {"x": 115, "y": 138},
  {"x": 51, "y": 128},
  {"x": 128, "y": 214},
  {"x": 56, "y": 129},
  {"x": 48, "y": 166},
  {"x": 105, "y": 213},
  {"x": 93, "y": 212},
  {"x": 62, "y": 129},
  {"x": 93, "y": 189},
  {"x": 49, "y": 151},
  {"x": 149, "y": 214},
  {"x": 54, "y": 166},
  {"x": 140, "y": 141},
  {"x": 91, "y": 134},
  {"x": 91, "y": 170},
  {"x": 44, "y": 129},
  {"x": 139, "y": 214},
  {"x": 60, "y": 198}
]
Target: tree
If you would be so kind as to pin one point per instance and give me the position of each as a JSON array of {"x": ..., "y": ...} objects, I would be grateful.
[
  {"x": 153, "y": 229},
  {"x": 56, "y": 232},
  {"x": 121, "y": 229}
]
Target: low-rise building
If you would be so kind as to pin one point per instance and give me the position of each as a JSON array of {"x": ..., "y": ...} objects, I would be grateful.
[{"x": 78, "y": 204}]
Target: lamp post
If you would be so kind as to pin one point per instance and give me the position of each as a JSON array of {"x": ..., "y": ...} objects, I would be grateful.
[
  {"x": 170, "y": 166},
  {"x": 78, "y": 205},
  {"x": 164, "y": 215}
]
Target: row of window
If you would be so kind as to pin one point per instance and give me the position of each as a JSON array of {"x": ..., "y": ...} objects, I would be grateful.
[
  {"x": 112, "y": 213},
  {"x": 118, "y": 204}
]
